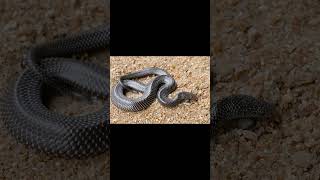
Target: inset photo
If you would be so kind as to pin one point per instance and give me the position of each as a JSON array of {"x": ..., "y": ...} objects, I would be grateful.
[{"x": 160, "y": 90}]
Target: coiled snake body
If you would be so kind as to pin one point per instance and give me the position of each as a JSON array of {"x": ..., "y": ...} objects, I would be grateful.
[
  {"x": 160, "y": 87},
  {"x": 32, "y": 123}
]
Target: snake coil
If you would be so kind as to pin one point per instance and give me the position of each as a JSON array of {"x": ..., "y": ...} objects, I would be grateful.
[
  {"x": 32, "y": 123},
  {"x": 160, "y": 87}
]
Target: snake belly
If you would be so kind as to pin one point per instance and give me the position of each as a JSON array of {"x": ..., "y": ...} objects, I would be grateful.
[
  {"x": 28, "y": 119},
  {"x": 159, "y": 88}
]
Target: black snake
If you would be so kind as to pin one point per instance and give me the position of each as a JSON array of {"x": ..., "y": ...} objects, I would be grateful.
[
  {"x": 236, "y": 111},
  {"x": 160, "y": 87},
  {"x": 240, "y": 111},
  {"x": 32, "y": 123},
  {"x": 48, "y": 65}
]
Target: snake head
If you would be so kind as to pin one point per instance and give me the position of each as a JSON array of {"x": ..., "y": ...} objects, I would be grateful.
[{"x": 189, "y": 96}]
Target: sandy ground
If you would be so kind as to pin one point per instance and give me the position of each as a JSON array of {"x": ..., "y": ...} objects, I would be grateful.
[
  {"x": 24, "y": 23},
  {"x": 269, "y": 49},
  {"x": 191, "y": 75}
]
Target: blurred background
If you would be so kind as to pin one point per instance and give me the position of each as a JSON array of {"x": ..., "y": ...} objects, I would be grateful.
[{"x": 268, "y": 49}]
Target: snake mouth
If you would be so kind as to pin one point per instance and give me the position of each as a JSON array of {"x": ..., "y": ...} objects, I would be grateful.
[
  {"x": 194, "y": 97},
  {"x": 190, "y": 97}
]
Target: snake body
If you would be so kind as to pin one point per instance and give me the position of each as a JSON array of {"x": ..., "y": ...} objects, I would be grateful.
[
  {"x": 32, "y": 123},
  {"x": 159, "y": 88},
  {"x": 241, "y": 111}
]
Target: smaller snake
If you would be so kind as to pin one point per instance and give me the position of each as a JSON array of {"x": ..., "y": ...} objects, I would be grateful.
[{"x": 160, "y": 87}]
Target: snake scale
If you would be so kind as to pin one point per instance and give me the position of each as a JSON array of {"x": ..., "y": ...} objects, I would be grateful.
[
  {"x": 240, "y": 111},
  {"x": 49, "y": 65},
  {"x": 159, "y": 88}
]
